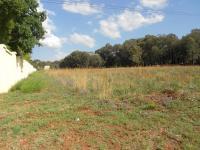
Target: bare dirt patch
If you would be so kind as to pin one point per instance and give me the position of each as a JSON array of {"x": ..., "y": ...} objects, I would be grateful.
[
  {"x": 89, "y": 111},
  {"x": 171, "y": 143},
  {"x": 164, "y": 97},
  {"x": 2, "y": 117},
  {"x": 75, "y": 138},
  {"x": 24, "y": 144}
]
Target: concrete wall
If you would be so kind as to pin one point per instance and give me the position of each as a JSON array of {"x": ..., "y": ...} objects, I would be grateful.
[{"x": 12, "y": 69}]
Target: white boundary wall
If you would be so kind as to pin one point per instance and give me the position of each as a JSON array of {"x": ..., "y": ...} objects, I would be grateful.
[{"x": 10, "y": 69}]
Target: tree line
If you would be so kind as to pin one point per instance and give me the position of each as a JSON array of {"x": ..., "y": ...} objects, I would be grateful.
[{"x": 150, "y": 50}]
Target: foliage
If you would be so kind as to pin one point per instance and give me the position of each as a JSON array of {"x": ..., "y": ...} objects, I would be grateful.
[
  {"x": 39, "y": 65},
  {"x": 21, "y": 24},
  {"x": 147, "y": 51},
  {"x": 153, "y": 50},
  {"x": 95, "y": 61},
  {"x": 80, "y": 59},
  {"x": 130, "y": 54},
  {"x": 76, "y": 59},
  {"x": 109, "y": 55}
]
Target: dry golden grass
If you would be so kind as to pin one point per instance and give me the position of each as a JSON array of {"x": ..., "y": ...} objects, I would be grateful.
[{"x": 107, "y": 82}]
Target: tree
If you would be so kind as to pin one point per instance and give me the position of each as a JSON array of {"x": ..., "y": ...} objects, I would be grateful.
[
  {"x": 150, "y": 50},
  {"x": 21, "y": 25},
  {"x": 188, "y": 50},
  {"x": 130, "y": 54},
  {"x": 80, "y": 59},
  {"x": 108, "y": 54},
  {"x": 76, "y": 59},
  {"x": 95, "y": 60},
  {"x": 194, "y": 53},
  {"x": 168, "y": 46}
]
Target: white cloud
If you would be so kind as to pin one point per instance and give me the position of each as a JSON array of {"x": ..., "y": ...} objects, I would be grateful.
[
  {"x": 130, "y": 21},
  {"x": 59, "y": 55},
  {"x": 110, "y": 28},
  {"x": 154, "y": 3},
  {"x": 40, "y": 7},
  {"x": 81, "y": 7},
  {"x": 49, "y": 26},
  {"x": 83, "y": 39},
  {"x": 127, "y": 21},
  {"x": 50, "y": 39}
]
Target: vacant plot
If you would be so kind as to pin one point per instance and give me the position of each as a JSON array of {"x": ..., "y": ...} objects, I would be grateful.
[{"x": 125, "y": 108}]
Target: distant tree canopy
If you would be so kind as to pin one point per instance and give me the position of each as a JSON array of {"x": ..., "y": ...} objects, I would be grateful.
[
  {"x": 21, "y": 24},
  {"x": 153, "y": 50},
  {"x": 79, "y": 59},
  {"x": 150, "y": 50},
  {"x": 38, "y": 64}
]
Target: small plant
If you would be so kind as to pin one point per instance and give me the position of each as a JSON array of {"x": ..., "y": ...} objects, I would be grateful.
[
  {"x": 149, "y": 106},
  {"x": 16, "y": 130}
]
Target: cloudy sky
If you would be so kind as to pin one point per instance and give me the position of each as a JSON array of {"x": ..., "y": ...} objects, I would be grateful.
[{"x": 89, "y": 24}]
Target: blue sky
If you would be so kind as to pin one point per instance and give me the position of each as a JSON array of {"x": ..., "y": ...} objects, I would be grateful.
[{"x": 89, "y": 24}]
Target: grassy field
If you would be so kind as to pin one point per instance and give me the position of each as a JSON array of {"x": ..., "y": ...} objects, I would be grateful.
[{"x": 124, "y": 108}]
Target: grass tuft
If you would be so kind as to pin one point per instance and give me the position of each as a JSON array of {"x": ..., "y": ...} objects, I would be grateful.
[{"x": 149, "y": 106}]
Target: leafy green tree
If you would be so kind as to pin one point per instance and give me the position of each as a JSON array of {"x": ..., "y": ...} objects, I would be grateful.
[
  {"x": 95, "y": 60},
  {"x": 109, "y": 55},
  {"x": 80, "y": 59},
  {"x": 159, "y": 50},
  {"x": 131, "y": 53},
  {"x": 21, "y": 24},
  {"x": 167, "y": 46},
  {"x": 187, "y": 51},
  {"x": 194, "y": 46},
  {"x": 76, "y": 59},
  {"x": 149, "y": 51}
]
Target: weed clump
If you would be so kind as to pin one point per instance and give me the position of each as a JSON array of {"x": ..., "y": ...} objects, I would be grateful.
[{"x": 149, "y": 106}]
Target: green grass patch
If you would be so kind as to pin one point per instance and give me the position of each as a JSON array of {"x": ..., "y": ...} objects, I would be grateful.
[
  {"x": 36, "y": 82},
  {"x": 149, "y": 106},
  {"x": 16, "y": 130}
]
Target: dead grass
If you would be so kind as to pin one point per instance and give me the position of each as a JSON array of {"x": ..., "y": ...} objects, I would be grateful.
[
  {"x": 123, "y": 81},
  {"x": 116, "y": 108}
]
